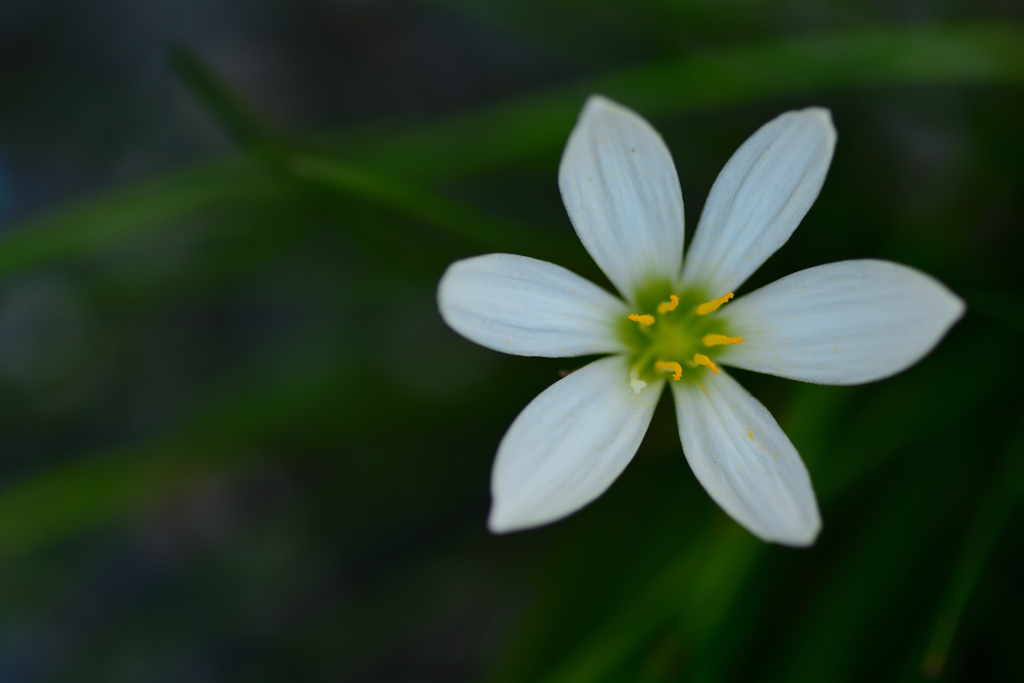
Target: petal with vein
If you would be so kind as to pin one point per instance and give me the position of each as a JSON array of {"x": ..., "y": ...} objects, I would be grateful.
[
  {"x": 745, "y": 461},
  {"x": 568, "y": 445},
  {"x": 759, "y": 198},
  {"x": 621, "y": 192},
  {"x": 842, "y": 323},
  {"x": 527, "y": 307}
]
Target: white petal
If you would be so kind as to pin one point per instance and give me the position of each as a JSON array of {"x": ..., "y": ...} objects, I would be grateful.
[
  {"x": 527, "y": 307},
  {"x": 568, "y": 446},
  {"x": 759, "y": 198},
  {"x": 744, "y": 460},
  {"x": 622, "y": 194},
  {"x": 841, "y": 323}
]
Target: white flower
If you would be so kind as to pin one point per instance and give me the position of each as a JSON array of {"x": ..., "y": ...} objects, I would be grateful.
[{"x": 842, "y": 323}]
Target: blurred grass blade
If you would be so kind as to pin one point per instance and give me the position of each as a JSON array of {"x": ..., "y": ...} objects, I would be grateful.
[
  {"x": 240, "y": 120},
  {"x": 872, "y": 438},
  {"x": 229, "y": 432},
  {"x": 533, "y": 126},
  {"x": 126, "y": 213},
  {"x": 444, "y": 215},
  {"x": 671, "y": 600},
  {"x": 688, "y": 601},
  {"x": 1000, "y": 307},
  {"x": 988, "y": 524},
  {"x": 53, "y": 505},
  {"x": 841, "y": 620},
  {"x": 699, "y": 584},
  {"x": 65, "y": 501}
]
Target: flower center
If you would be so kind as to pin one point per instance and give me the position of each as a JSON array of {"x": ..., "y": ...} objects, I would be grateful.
[{"x": 674, "y": 335}]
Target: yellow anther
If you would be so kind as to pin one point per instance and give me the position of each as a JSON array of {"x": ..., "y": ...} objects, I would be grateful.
[
  {"x": 701, "y": 359},
  {"x": 644, "y": 320},
  {"x": 671, "y": 366},
  {"x": 721, "y": 340},
  {"x": 713, "y": 305},
  {"x": 666, "y": 306}
]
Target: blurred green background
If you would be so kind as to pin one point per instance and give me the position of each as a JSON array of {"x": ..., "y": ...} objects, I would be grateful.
[{"x": 238, "y": 444}]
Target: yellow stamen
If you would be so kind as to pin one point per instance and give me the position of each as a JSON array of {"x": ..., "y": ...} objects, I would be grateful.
[
  {"x": 666, "y": 306},
  {"x": 721, "y": 340},
  {"x": 701, "y": 359},
  {"x": 671, "y": 366},
  {"x": 713, "y": 305},
  {"x": 644, "y": 320}
]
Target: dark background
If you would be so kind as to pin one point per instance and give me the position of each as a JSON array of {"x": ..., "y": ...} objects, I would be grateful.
[{"x": 237, "y": 442}]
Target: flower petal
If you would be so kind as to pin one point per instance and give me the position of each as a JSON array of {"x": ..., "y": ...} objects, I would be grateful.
[
  {"x": 527, "y": 307},
  {"x": 622, "y": 194},
  {"x": 744, "y": 460},
  {"x": 841, "y": 323},
  {"x": 759, "y": 198},
  {"x": 569, "y": 444}
]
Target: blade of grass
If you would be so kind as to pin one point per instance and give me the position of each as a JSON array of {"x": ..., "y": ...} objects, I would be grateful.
[
  {"x": 447, "y": 216},
  {"x": 239, "y": 119},
  {"x": 666, "y": 603},
  {"x": 829, "y": 640},
  {"x": 698, "y": 582},
  {"x": 67, "y": 500},
  {"x": 699, "y": 590},
  {"x": 444, "y": 215},
  {"x": 246, "y": 418},
  {"x": 1000, "y": 307},
  {"x": 688, "y": 600},
  {"x": 988, "y": 524},
  {"x": 537, "y": 125},
  {"x": 125, "y": 213}
]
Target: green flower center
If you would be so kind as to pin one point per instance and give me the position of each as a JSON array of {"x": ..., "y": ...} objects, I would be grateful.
[{"x": 675, "y": 334}]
